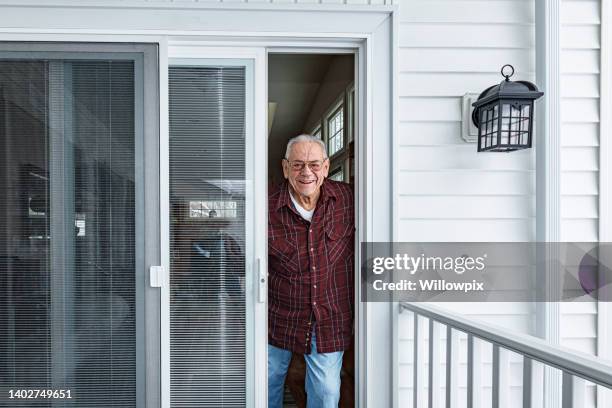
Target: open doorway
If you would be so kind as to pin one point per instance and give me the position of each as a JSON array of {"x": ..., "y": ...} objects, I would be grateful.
[{"x": 314, "y": 94}]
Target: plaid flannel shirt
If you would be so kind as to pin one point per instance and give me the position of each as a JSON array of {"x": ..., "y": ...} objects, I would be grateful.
[{"x": 311, "y": 270}]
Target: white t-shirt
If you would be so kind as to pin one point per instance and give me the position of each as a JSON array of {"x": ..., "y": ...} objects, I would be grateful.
[{"x": 307, "y": 215}]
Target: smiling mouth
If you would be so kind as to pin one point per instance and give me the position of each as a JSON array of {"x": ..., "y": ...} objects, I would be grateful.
[{"x": 306, "y": 181}]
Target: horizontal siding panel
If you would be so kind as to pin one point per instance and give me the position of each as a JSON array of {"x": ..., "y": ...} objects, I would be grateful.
[
  {"x": 580, "y": 134},
  {"x": 578, "y": 326},
  {"x": 464, "y": 59},
  {"x": 579, "y": 206},
  {"x": 522, "y": 311},
  {"x": 579, "y": 183},
  {"x": 579, "y": 230},
  {"x": 579, "y": 61},
  {"x": 466, "y": 230},
  {"x": 580, "y": 37},
  {"x": 579, "y": 158},
  {"x": 515, "y": 323},
  {"x": 493, "y": 308},
  {"x": 442, "y": 207},
  {"x": 580, "y": 86},
  {"x": 438, "y": 109},
  {"x": 405, "y": 394},
  {"x": 580, "y": 110},
  {"x": 580, "y": 12},
  {"x": 447, "y": 84},
  {"x": 462, "y": 157},
  {"x": 583, "y": 345},
  {"x": 469, "y": 183},
  {"x": 479, "y": 11},
  {"x": 405, "y": 352},
  {"x": 429, "y": 133},
  {"x": 581, "y": 308},
  {"x": 404, "y": 327},
  {"x": 465, "y": 35}
]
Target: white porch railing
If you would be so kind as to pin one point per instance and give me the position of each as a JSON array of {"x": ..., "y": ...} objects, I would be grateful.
[{"x": 576, "y": 368}]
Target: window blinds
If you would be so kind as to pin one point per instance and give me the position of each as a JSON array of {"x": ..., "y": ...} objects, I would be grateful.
[
  {"x": 67, "y": 222},
  {"x": 207, "y": 229}
]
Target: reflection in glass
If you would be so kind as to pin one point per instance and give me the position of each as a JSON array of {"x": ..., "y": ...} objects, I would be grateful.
[
  {"x": 207, "y": 230},
  {"x": 67, "y": 231}
]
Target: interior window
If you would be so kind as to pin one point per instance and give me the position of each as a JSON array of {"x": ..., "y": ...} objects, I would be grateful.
[
  {"x": 335, "y": 130},
  {"x": 337, "y": 174}
]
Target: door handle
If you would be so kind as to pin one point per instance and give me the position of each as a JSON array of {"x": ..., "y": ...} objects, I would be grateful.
[
  {"x": 157, "y": 276},
  {"x": 262, "y": 282}
]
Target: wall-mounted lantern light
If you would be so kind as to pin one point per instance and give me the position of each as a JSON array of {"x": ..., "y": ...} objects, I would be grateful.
[{"x": 503, "y": 115}]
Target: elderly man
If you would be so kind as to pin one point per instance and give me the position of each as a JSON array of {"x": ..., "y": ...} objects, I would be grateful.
[{"x": 311, "y": 280}]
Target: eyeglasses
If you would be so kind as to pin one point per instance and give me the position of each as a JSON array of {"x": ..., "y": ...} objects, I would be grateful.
[{"x": 298, "y": 165}]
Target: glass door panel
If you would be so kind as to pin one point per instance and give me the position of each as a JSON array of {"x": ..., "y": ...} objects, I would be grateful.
[
  {"x": 209, "y": 235},
  {"x": 71, "y": 214}
]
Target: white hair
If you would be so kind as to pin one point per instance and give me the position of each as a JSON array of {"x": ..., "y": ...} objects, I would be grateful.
[{"x": 305, "y": 138}]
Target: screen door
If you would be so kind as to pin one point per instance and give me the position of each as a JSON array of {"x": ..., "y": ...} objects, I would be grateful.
[
  {"x": 73, "y": 221},
  {"x": 212, "y": 230}
]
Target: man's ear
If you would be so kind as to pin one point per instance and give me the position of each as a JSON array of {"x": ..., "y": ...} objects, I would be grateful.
[{"x": 285, "y": 165}]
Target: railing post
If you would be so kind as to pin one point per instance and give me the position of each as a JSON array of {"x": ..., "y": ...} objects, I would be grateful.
[
  {"x": 452, "y": 352},
  {"x": 574, "y": 389},
  {"x": 495, "y": 382},
  {"x": 568, "y": 391},
  {"x": 527, "y": 379},
  {"x": 473, "y": 369},
  {"x": 416, "y": 383},
  {"x": 434, "y": 365}
]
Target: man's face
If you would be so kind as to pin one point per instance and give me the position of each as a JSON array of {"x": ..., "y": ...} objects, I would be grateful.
[{"x": 305, "y": 181}]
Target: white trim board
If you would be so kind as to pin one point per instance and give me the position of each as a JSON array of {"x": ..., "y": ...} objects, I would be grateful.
[
  {"x": 169, "y": 5},
  {"x": 548, "y": 174},
  {"x": 273, "y": 21}
]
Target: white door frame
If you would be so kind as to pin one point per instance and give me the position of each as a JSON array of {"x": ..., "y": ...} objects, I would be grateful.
[{"x": 370, "y": 29}]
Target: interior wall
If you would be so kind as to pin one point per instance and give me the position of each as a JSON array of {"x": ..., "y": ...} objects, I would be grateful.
[{"x": 339, "y": 76}]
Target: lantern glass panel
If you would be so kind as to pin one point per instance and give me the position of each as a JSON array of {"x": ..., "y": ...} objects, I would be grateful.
[
  {"x": 515, "y": 121},
  {"x": 524, "y": 125},
  {"x": 505, "y": 110},
  {"x": 525, "y": 111}
]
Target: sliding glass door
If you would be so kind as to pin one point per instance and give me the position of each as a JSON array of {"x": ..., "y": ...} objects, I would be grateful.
[
  {"x": 74, "y": 217},
  {"x": 83, "y": 320},
  {"x": 211, "y": 233}
]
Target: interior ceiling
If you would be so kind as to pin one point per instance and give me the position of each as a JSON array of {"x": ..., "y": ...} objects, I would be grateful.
[{"x": 294, "y": 80}]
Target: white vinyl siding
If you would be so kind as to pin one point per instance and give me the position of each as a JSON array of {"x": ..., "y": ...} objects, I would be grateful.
[
  {"x": 580, "y": 119},
  {"x": 446, "y": 190}
]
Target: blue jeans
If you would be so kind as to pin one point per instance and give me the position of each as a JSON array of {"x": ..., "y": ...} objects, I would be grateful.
[{"x": 322, "y": 376}]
